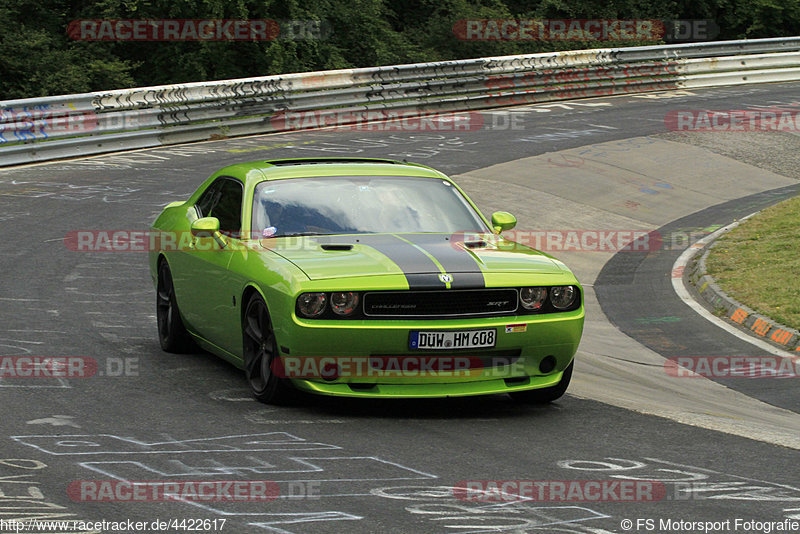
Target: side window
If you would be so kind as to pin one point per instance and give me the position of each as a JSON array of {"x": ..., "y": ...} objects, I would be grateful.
[
  {"x": 229, "y": 207},
  {"x": 208, "y": 199},
  {"x": 223, "y": 200}
]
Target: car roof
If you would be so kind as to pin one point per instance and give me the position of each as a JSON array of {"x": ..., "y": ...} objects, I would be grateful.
[{"x": 278, "y": 169}]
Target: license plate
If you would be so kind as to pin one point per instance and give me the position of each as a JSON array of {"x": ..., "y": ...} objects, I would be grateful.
[{"x": 458, "y": 339}]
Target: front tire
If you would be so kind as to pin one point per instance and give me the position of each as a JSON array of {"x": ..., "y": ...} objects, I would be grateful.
[
  {"x": 171, "y": 333},
  {"x": 546, "y": 395},
  {"x": 260, "y": 353}
]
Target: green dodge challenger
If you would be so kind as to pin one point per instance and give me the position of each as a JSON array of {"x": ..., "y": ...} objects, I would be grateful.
[{"x": 363, "y": 278}]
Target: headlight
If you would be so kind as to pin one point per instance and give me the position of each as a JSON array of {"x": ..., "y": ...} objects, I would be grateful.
[
  {"x": 344, "y": 302},
  {"x": 562, "y": 297},
  {"x": 312, "y": 304},
  {"x": 532, "y": 298}
]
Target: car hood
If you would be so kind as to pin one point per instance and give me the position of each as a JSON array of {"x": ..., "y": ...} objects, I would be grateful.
[{"x": 418, "y": 256}]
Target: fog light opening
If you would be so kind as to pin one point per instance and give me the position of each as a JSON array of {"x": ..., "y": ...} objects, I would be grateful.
[
  {"x": 358, "y": 386},
  {"x": 330, "y": 372},
  {"x": 547, "y": 365},
  {"x": 517, "y": 381}
]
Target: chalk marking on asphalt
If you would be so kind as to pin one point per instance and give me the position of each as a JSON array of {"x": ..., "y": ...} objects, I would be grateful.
[
  {"x": 749, "y": 479},
  {"x": 56, "y": 420},
  {"x": 94, "y": 444}
]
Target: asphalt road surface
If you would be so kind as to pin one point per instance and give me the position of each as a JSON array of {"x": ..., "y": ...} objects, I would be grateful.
[{"x": 694, "y": 450}]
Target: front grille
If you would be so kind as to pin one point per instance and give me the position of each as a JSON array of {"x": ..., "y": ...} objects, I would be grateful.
[{"x": 447, "y": 303}]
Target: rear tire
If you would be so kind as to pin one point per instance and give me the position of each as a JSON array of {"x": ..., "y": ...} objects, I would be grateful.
[
  {"x": 260, "y": 353},
  {"x": 546, "y": 395},
  {"x": 171, "y": 333}
]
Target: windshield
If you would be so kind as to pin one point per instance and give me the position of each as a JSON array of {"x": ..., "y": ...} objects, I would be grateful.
[{"x": 361, "y": 204}]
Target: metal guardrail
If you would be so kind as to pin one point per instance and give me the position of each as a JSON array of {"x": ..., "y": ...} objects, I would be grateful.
[{"x": 39, "y": 129}]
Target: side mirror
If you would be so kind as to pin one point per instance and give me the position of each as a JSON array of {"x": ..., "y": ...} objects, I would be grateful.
[
  {"x": 208, "y": 227},
  {"x": 502, "y": 220},
  {"x": 205, "y": 227}
]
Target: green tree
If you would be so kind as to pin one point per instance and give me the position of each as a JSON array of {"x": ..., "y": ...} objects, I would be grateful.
[{"x": 38, "y": 59}]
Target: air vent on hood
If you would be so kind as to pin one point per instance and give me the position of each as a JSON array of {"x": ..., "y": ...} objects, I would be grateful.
[{"x": 335, "y": 246}]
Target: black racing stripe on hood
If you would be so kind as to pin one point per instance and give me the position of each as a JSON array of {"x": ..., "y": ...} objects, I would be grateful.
[
  {"x": 420, "y": 270},
  {"x": 467, "y": 281},
  {"x": 457, "y": 262},
  {"x": 425, "y": 281}
]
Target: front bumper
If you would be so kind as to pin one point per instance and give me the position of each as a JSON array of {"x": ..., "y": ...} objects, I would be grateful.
[
  {"x": 429, "y": 390},
  {"x": 515, "y": 363}
]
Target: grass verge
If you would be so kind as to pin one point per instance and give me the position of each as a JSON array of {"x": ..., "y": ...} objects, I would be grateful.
[{"x": 758, "y": 263}]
